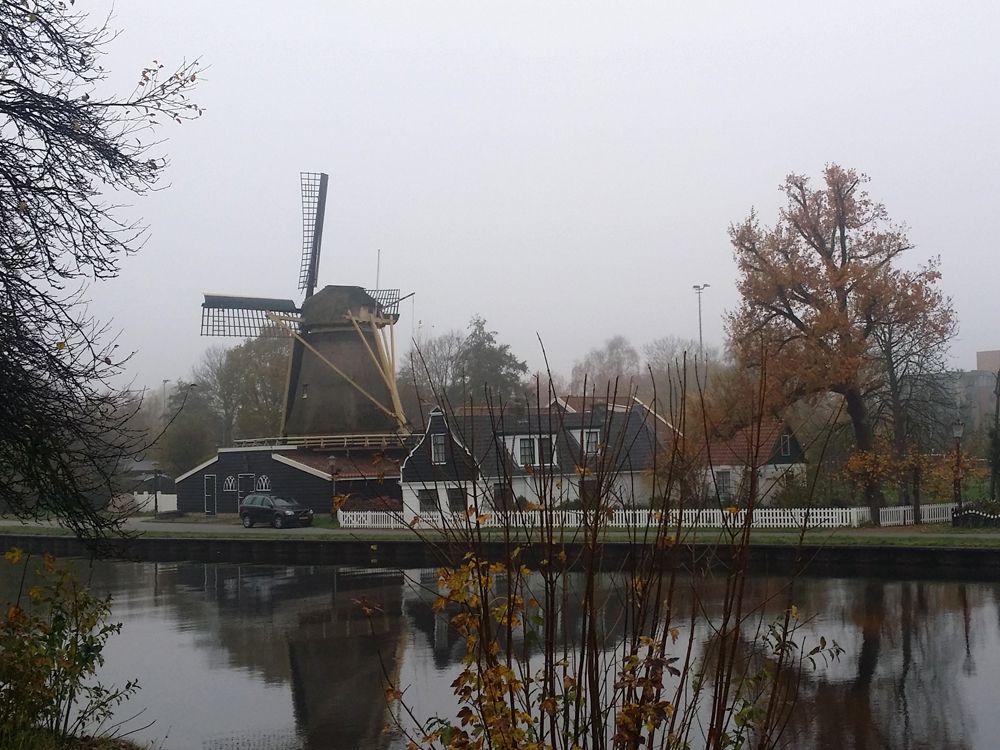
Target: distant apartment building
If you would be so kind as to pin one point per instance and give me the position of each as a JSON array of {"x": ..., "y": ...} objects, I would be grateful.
[
  {"x": 977, "y": 391},
  {"x": 988, "y": 360}
]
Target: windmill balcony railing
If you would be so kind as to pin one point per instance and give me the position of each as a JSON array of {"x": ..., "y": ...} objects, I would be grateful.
[
  {"x": 622, "y": 518},
  {"x": 329, "y": 442}
]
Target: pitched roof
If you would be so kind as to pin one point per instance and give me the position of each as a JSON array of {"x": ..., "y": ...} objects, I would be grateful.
[
  {"x": 631, "y": 435},
  {"x": 578, "y": 404},
  {"x": 750, "y": 446}
]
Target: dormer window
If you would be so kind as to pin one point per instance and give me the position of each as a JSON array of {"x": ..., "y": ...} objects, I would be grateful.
[
  {"x": 536, "y": 451},
  {"x": 437, "y": 449},
  {"x": 526, "y": 447}
]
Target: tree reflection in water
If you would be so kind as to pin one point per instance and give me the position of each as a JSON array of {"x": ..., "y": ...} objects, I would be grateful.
[{"x": 920, "y": 656}]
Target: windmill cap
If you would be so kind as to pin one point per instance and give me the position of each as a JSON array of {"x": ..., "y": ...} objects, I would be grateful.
[{"x": 331, "y": 304}]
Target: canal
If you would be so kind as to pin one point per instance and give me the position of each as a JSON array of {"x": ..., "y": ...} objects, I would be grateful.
[{"x": 247, "y": 656}]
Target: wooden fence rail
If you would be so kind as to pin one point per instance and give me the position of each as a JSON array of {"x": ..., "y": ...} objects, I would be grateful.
[{"x": 763, "y": 518}]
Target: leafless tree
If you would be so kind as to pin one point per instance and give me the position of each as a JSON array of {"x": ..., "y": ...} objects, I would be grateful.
[{"x": 65, "y": 144}]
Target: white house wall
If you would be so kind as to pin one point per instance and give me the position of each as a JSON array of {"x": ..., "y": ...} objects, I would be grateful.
[
  {"x": 770, "y": 479},
  {"x": 629, "y": 489}
]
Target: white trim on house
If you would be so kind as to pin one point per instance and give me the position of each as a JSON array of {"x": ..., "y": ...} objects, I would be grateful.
[
  {"x": 301, "y": 467},
  {"x": 196, "y": 469}
]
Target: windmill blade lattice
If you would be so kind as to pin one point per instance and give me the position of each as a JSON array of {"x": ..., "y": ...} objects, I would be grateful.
[
  {"x": 246, "y": 317},
  {"x": 313, "y": 211}
]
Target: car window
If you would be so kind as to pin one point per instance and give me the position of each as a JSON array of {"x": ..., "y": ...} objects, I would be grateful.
[
  {"x": 250, "y": 500},
  {"x": 284, "y": 502},
  {"x": 266, "y": 502}
]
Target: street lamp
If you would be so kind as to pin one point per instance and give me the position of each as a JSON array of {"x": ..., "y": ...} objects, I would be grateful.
[
  {"x": 333, "y": 486},
  {"x": 156, "y": 491},
  {"x": 956, "y": 430},
  {"x": 698, "y": 289}
]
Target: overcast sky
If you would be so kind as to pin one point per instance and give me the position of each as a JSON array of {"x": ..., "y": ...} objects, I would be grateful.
[{"x": 562, "y": 168}]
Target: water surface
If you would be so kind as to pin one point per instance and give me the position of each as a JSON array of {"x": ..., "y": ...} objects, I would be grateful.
[{"x": 244, "y": 656}]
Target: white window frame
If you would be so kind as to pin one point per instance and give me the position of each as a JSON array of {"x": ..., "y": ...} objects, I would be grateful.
[
  {"x": 588, "y": 448},
  {"x": 535, "y": 450},
  {"x": 263, "y": 483},
  {"x": 229, "y": 485},
  {"x": 438, "y": 452},
  {"x": 520, "y": 451}
]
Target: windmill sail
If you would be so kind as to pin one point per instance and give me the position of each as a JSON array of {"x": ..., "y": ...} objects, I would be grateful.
[
  {"x": 313, "y": 211},
  {"x": 245, "y": 317}
]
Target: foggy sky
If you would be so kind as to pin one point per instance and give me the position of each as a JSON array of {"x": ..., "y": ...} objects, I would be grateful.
[{"x": 564, "y": 169}]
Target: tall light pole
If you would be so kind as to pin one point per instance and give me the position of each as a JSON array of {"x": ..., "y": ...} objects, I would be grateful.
[
  {"x": 164, "y": 394},
  {"x": 956, "y": 430},
  {"x": 698, "y": 289}
]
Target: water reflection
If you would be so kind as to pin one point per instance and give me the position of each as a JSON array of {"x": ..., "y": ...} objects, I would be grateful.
[{"x": 243, "y": 656}]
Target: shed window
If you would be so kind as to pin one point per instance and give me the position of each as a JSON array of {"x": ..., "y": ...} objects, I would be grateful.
[
  {"x": 429, "y": 500},
  {"x": 786, "y": 445},
  {"x": 263, "y": 483},
  {"x": 724, "y": 484},
  {"x": 437, "y": 448},
  {"x": 229, "y": 484}
]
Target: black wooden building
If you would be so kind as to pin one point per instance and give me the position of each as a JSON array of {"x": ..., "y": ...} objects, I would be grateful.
[{"x": 368, "y": 478}]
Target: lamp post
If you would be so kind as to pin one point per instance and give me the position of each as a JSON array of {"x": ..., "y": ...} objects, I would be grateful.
[
  {"x": 956, "y": 430},
  {"x": 156, "y": 491},
  {"x": 698, "y": 289},
  {"x": 333, "y": 487}
]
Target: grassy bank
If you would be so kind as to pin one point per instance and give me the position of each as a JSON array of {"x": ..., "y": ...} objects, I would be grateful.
[{"x": 228, "y": 527}]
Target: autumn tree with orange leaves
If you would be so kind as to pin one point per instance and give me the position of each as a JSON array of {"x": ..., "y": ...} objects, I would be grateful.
[{"x": 821, "y": 289}]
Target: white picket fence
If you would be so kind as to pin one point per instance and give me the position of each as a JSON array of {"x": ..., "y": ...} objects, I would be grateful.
[
  {"x": 763, "y": 518},
  {"x": 903, "y": 515}
]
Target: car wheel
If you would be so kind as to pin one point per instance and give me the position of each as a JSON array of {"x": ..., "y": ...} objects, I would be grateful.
[
  {"x": 247, "y": 523},
  {"x": 278, "y": 522}
]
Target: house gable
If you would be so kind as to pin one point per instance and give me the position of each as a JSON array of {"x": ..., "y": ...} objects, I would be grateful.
[{"x": 420, "y": 465}]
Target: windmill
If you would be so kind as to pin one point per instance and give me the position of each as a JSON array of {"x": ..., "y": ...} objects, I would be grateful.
[{"x": 342, "y": 369}]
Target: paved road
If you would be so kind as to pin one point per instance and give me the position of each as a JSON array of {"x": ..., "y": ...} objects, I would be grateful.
[{"x": 219, "y": 526}]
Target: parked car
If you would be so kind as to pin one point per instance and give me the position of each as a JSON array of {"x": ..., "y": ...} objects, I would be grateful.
[{"x": 276, "y": 511}]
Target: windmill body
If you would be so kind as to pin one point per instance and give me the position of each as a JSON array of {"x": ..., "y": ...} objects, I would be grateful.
[{"x": 345, "y": 326}]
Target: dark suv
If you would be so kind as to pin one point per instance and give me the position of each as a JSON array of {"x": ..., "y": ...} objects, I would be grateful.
[{"x": 277, "y": 511}]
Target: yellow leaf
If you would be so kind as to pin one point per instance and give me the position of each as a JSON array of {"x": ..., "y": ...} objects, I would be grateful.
[{"x": 14, "y": 555}]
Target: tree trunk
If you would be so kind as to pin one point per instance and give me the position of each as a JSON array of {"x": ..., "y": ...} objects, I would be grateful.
[
  {"x": 864, "y": 439},
  {"x": 916, "y": 495}
]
